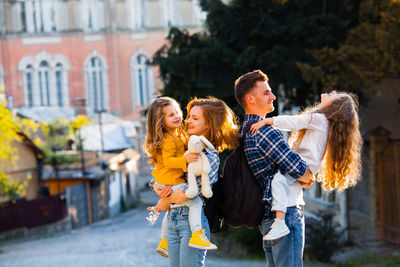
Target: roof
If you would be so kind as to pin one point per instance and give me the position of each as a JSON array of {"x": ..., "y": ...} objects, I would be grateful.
[{"x": 116, "y": 131}]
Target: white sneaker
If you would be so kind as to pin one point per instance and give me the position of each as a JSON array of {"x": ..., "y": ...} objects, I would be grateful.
[{"x": 278, "y": 230}]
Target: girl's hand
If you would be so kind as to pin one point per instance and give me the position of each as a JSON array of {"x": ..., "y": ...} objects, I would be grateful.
[
  {"x": 191, "y": 157},
  {"x": 256, "y": 126},
  {"x": 162, "y": 204},
  {"x": 178, "y": 197},
  {"x": 163, "y": 192}
]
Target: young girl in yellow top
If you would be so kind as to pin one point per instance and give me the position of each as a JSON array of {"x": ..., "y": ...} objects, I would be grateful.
[{"x": 165, "y": 146}]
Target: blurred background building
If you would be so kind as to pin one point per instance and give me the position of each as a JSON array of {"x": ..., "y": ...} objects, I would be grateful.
[{"x": 55, "y": 53}]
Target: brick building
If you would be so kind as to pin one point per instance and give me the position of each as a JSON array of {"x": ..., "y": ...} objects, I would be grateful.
[{"x": 54, "y": 53}]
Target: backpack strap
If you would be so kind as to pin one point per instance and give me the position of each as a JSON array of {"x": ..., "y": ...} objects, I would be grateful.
[{"x": 245, "y": 131}]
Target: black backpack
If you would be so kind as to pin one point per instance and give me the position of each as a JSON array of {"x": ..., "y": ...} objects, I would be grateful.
[{"x": 237, "y": 196}]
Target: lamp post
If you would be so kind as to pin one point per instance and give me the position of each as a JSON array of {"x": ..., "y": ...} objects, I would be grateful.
[
  {"x": 80, "y": 106},
  {"x": 99, "y": 112}
]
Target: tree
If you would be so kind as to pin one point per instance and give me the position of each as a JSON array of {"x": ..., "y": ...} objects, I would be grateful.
[
  {"x": 55, "y": 137},
  {"x": 10, "y": 129},
  {"x": 369, "y": 55},
  {"x": 251, "y": 34},
  {"x": 57, "y": 134}
]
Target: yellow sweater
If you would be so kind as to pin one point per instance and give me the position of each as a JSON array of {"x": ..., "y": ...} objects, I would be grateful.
[{"x": 171, "y": 162}]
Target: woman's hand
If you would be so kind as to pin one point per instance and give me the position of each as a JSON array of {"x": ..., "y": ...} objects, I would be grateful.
[
  {"x": 163, "y": 192},
  {"x": 178, "y": 197},
  {"x": 163, "y": 204},
  {"x": 191, "y": 157},
  {"x": 256, "y": 126}
]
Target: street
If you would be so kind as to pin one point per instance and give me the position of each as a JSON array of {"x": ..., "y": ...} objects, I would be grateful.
[{"x": 125, "y": 240}]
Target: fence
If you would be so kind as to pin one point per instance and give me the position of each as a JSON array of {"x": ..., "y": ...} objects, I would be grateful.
[{"x": 23, "y": 213}]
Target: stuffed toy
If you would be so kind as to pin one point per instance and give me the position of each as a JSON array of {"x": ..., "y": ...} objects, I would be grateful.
[{"x": 201, "y": 167}]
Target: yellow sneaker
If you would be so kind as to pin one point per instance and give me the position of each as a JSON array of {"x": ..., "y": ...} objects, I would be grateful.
[
  {"x": 162, "y": 248},
  {"x": 200, "y": 241}
]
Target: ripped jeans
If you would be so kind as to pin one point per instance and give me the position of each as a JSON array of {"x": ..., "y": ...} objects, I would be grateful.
[{"x": 287, "y": 251}]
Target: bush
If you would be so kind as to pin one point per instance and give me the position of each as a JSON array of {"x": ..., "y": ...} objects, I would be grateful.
[{"x": 323, "y": 237}]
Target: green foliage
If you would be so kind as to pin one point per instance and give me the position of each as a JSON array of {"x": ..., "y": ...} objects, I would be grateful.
[
  {"x": 324, "y": 236},
  {"x": 251, "y": 239},
  {"x": 369, "y": 55},
  {"x": 245, "y": 35},
  {"x": 372, "y": 260},
  {"x": 57, "y": 133},
  {"x": 10, "y": 129},
  {"x": 11, "y": 189}
]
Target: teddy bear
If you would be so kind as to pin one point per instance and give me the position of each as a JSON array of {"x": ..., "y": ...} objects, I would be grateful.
[{"x": 201, "y": 167}]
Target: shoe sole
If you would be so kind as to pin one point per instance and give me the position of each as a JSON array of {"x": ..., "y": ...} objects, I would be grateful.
[
  {"x": 271, "y": 238},
  {"x": 162, "y": 252},
  {"x": 201, "y": 247}
]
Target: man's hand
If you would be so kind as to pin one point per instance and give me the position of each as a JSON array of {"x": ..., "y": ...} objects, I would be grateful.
[
  {"x": 307, "y": 178},
  {"x": 306, "y": 185}
]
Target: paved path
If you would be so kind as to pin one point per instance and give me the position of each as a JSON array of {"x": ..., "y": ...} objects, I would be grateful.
[{"x": 125, "y": 240}]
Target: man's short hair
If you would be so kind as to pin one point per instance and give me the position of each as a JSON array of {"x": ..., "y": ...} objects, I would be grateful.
[{"x": 245, "y": 83}]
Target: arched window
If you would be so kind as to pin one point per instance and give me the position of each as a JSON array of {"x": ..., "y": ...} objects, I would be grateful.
[
  {"x": 142, "y": 80},
  {"x": 60, "y": 81},
  {"x": 95, "y": 83},
  {"x": 45, "y": 79},
  {"x": 28, "y": 79},
  {"x": 44, "y": 83}
]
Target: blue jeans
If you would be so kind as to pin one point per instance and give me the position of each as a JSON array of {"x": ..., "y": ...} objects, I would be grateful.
[
  {"x": 179, "y": 233},
  {"x": 287, "y": 251}
]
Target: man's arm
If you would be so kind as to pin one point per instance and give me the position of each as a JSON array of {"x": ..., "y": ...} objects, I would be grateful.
[{"x": 277, "y": 150}]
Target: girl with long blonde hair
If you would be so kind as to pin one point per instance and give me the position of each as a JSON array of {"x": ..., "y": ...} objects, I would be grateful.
[
  {"x": 165, "y": 147},
  {"x": 328, "y": 139}
]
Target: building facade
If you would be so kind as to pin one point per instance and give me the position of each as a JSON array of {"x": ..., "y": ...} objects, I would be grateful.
[{"x": 54, "y": 53}]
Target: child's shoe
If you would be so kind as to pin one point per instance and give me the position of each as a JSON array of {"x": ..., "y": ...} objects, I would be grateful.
[
  {"x": 200, "y": 241},
  {"x": 278, "y": 230},
  {"x": 162, "y": 248}
]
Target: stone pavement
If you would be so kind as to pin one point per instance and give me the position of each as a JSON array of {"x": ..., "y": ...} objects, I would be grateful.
[{"x": 125, "y": 240}]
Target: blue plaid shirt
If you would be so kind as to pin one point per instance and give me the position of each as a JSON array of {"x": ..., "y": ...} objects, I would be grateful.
[{"x": 267, "y": 152}]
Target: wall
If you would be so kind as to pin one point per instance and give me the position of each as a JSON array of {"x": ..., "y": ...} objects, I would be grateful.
[{"x": 24, "y": 169}]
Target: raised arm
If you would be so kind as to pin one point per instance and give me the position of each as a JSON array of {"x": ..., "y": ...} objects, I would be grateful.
[
  {"x": 314, "y": 121},
  {"x": 256, "y": 126}
]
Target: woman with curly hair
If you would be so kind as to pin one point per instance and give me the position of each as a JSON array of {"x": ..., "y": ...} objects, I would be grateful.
[{"x": 328, "y": 139}]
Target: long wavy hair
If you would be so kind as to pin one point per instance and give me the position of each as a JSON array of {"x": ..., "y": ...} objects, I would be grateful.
[
  {"x": 156, "y": 129},
  {"x": 341, "y": 165},
  {"x": 222, "y": 123}
]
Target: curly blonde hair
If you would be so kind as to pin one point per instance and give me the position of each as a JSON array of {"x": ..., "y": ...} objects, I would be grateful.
[
  {"x": 341, "y": 165},
  {"x": 156, "y": 129},
  {"x": 222, "y": 122}
]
